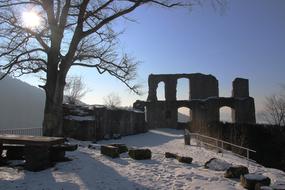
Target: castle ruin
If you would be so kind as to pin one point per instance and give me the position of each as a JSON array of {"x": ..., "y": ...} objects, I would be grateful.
[{"x": 204, "y": 101}]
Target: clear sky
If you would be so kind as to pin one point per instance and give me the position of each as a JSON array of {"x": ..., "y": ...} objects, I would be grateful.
[{"x": 247, "y": 41}]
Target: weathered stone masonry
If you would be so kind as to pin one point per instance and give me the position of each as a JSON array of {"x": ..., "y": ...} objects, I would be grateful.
[
  {"x": 99, "y": 122},
  {"x": 204, "y": 101}
]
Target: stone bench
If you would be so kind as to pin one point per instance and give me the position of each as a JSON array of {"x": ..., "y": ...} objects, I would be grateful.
[
  {"x": 122, "y": 147},
  {"x": 250, "y": 181},
  {"x": 57, "y": 152},
  {"x": 182, "y": 159},
  {"x": 14, "y": 152},
  {"x": 36, "y": 149},
  {"x": 110, "y": 151},
  {"x": 140, "y": 154},
  {"x": 235, "y": 171},
  {"x": 170, "y": 155}
]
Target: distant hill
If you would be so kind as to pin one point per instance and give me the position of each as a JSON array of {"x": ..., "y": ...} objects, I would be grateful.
[{"x": 21, "y": 105}]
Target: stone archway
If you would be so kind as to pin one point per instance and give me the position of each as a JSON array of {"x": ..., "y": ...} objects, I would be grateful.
[{"x": 160, "y": 91}]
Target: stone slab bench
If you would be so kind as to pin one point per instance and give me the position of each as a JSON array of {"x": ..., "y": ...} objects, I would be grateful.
[
  {"x": 122, "y": 147},
  {"x": 110, "y": 151},
  {"x": 36, "y": 149},
  {"x": 182, "y": 159},
  {"x": 250, "y": 181},
  {"x": 235, "y": 171},
  {"x": 14, "y": 152},
  {"x": 57, "y": 152},
  {"x": 140, "y": 154}
]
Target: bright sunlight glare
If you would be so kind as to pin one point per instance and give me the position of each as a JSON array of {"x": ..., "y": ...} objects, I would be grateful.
[{"x": 31, "y": 19}]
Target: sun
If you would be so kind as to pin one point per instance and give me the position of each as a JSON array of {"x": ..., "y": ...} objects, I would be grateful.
[{"x": 31, "y": 19}]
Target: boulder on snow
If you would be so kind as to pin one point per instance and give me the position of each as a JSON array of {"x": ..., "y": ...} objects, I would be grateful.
[
  {"x": 140, "y": 154},
  {"x": 184, "y": 159},
  {"x": 236, "y": 171},
  {"x": 111, "y": 151},
  {"x": 253, "y": 181},
  {"x": 217, "y": 164},
  {"x": 122, "y": 147},
  {"x": 170, "y": 155}
]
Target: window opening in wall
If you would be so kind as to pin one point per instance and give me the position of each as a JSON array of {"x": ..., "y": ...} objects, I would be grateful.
[
  {"x": 183, "y": 115},
  {"x": 226, "y": 114},
  {"x": 183, "y": 89},
  {"x": 160, "y": 92}
]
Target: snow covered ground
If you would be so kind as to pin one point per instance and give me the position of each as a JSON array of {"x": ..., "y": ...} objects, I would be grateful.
[{"x": 91, "y": 170}]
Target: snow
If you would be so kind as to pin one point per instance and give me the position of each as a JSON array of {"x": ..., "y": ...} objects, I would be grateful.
[
  {"x": 91, "y": 170},
  {"x": 254, "y": 177}
]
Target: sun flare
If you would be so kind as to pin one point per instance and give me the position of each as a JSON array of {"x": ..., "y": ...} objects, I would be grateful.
[{"x": 31, "y": 19}]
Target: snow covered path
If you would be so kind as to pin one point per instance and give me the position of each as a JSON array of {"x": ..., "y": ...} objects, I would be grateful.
[{"x": 90, "y": 170}]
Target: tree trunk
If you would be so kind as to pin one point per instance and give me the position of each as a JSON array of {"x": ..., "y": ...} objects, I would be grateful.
[{"x": 53, "y": 116}]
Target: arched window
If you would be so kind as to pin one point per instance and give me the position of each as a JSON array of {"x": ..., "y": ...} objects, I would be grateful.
[
  {"x": 184, "y": 115},
  {"x": 160, "y": 92},
  {"x": 226, "y": 114},
  {"x": 183, "y": 89}
]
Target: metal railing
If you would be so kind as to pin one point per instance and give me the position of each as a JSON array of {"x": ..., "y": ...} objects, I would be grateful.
[
  {"x": 201, "y": 140},
  {"x": 23, "y": 131}
]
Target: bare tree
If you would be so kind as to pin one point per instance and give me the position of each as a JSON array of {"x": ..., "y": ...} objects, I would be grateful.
[
  {"x": 74, "y": 89},
  {"x": 274, "y": 111},
  {"x": 112, "y": 101},
  {"x": 71, "y": 33}
]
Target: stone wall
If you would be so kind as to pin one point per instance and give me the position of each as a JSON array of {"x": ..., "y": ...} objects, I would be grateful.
[
  {"x": 204, "y": 101},
  {"x": 96, "y": 123},
  {"x": 267, "y": 140}
]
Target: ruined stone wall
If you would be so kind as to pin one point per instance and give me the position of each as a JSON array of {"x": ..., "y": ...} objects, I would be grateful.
[
  {"x": 204, "y": 101},
  {"x": 95, "y": 123},
  {"x": 208, "y": 83},
  {"x": 267, "y": 140}
]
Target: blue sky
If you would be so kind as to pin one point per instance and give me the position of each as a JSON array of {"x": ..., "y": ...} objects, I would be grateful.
[{"x": 247, "y": 41}]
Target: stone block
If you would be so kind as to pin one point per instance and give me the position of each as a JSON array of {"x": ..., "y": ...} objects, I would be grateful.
[
  {"x": 14, "y": 152},
  {"x": 250, "y": 181},
  {"x": 140, "y": 154},
  {"x": 111, "y": 151},
  {"x": 122, "y": 147},
  {"x": 37, "y": 158},
  {"x": 236, "y": 171},
  {"x": 170, "y": 155},
  {"x": 184, "y": 159}
]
